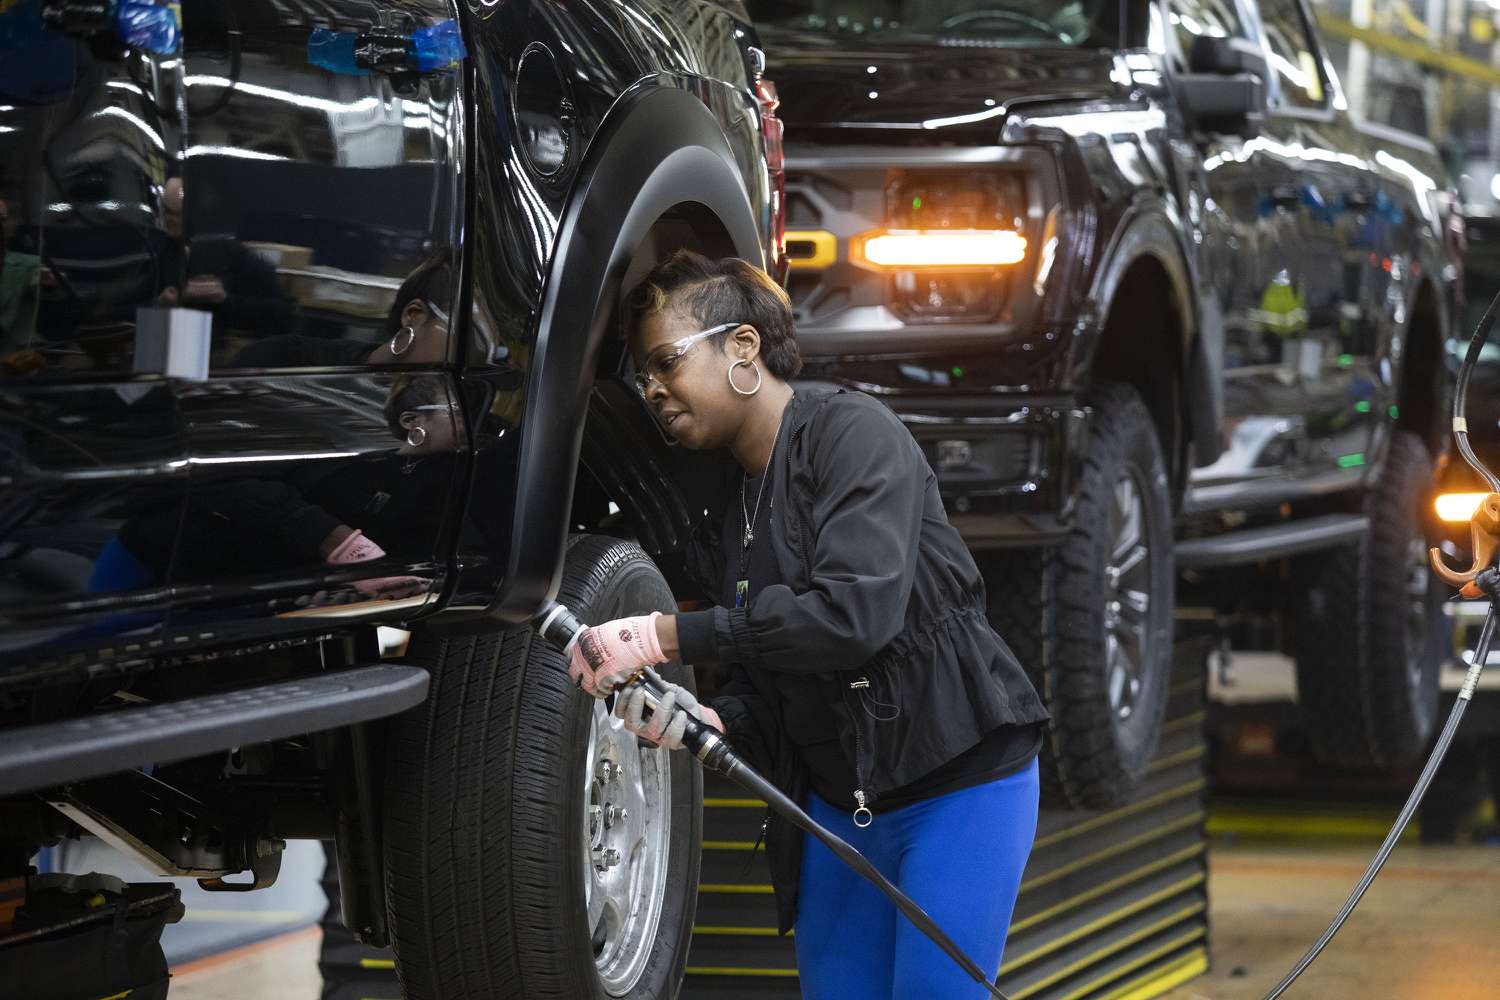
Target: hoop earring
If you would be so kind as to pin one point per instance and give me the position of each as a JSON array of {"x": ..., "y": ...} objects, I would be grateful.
[
  {"x": 410, "y": 332},
  {"x": 417, "y": 436},
  {"x": 735, "y": 364}
]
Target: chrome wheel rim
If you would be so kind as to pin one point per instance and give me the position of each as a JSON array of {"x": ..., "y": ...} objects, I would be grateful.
[
  {"x": 626, "y": 834},
  {"x": 1127, "y": 596}
]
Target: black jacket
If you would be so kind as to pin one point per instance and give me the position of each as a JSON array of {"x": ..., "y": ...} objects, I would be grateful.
[{"x": 884, "y": 602}]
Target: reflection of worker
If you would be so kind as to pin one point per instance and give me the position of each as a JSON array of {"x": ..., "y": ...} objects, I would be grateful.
[
  {"x": 865, "y": 675},
  {"x": 1282, "y": 316},
  {"x": 420, "y": 414},
  {"x": 22, "y": 278},
  {"x": 224, "y": 277},
  {"x": 341, "y": 513},
  {"x": 415, "y": 330}
]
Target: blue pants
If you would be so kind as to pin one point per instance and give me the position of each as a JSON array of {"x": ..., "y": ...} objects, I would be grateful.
[{"x": 960, "y": 856}]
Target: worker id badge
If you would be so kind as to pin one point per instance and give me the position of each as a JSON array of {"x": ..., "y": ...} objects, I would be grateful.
[{"x": 741, "y": 591}]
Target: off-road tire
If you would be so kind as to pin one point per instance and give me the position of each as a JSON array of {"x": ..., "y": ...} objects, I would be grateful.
[
  {"x": 1366, "y": 684},
  {"x": 1050, "y": 606}
]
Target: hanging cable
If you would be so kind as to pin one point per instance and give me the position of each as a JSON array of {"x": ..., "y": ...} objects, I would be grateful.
[{"x": 1471, "y": 681}]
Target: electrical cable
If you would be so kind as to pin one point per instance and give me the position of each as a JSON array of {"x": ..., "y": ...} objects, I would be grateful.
[
  {"x": 1461, "y": 394},
  {"x": 1407, "y": 812},
  {"x": 1465, "y": 694},
  {"x": 748, "y": 779}
]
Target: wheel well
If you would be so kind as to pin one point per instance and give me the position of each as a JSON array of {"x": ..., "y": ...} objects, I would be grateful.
[
  {"x": 1140, "y": 345},
  {"x": 1422, "y": 373},
  {"x": 609, "y": 496}
]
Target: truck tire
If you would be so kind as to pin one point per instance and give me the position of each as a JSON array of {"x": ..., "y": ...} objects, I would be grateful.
[
  {"x": 1369, "y": 636},
  {"x": 1019, "y": 606},
  {"x": 1093, "y": 614},
  {"x": 508, "y": 792}
]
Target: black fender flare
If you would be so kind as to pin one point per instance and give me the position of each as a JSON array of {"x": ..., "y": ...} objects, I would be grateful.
[
  {"x": 1146, "y": 232},
  {"x": 659, "y": 148},
  {"x": 1432, "y": 426}
]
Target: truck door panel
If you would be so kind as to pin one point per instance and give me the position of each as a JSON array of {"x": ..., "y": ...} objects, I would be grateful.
[
  {"x": 1329, "y": 223},
  {"x": 93, "y": 457},
  {"x": 1263, "y": 427},
  {"x": 321, "y": 214}
]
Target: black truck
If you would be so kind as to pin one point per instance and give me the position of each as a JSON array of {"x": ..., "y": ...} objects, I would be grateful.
[
  {"x": 309, "y": 401},
  {"x": 1162, "y": 315}
]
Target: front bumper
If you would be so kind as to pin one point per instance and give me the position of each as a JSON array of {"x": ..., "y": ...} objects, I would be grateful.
[{"x": 1006, "y": 464}]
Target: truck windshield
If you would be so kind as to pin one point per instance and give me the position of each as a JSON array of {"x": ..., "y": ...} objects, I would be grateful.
[{"x": 986, "y": 23}]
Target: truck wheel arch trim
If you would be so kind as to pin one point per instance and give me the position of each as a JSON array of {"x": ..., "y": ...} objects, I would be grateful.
[
  {"x": 659, "y": 149},
  {"x": 1146, "y": 233}
]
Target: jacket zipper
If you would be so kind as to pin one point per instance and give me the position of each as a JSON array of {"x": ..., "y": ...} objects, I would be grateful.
[{"x": 863, "y": 817}]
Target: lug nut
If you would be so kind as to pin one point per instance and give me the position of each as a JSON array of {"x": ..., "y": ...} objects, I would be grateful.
[
  {"x": 608, "y": 771},
  {"x": 606, "y": 858},
  {"x": 615, "y": 814}
]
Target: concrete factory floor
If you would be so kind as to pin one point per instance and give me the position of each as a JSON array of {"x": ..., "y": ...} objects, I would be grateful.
[{"x": 1429, "y": 928}]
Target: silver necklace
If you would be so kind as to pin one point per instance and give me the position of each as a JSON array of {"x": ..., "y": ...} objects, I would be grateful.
[{"x": 747, "y": 520}]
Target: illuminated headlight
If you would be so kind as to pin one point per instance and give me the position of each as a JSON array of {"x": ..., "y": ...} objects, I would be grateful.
[
  {"x": 1458, "y": 507},
  {"x": 950, "y": 242},
  {"x": 941, "y": 249}
]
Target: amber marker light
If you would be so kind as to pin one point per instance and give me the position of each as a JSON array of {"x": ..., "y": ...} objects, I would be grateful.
[
  {"x": 939, "y": 249},
  {"x": 1458, "y": 507}
]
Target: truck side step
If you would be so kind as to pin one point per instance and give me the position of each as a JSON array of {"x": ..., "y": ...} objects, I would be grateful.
[
  {"x": 94, "y": 745},
  {"x": 1250, "y": 545}
]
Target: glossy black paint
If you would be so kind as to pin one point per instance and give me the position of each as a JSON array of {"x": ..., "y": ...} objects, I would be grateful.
[
  {"x": 403, "y": 285},
  {"x": 948, "y": 95},
  {"x": 1301, "y": 269}
]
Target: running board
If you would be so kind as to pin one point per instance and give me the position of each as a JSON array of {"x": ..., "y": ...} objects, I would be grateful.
[
  {"x": 91, "y": 746},
  {"x": 1252, "y": 545}
]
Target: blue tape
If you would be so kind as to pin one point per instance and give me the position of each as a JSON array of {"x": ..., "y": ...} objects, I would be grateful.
[
  {"x": 438, "y": 46},
  {"x": 334, "y": 51},
  {"x": 146, "y": 24}
]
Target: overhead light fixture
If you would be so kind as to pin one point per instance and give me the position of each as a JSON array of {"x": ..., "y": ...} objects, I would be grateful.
[
  {"x": 1458, "y": 507},
  {"x": 939, "y": 249}
]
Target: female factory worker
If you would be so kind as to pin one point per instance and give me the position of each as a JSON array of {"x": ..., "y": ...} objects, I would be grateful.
[{"x": 865, "y": 679}]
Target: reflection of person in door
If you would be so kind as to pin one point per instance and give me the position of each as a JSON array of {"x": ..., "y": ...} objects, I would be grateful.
[
  {"x": 23, "y": 276},
  {"x": 415, "y": 330},
  {"x": 222, "y": 275}
]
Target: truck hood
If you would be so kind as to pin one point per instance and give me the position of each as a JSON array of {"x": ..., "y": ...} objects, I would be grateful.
[{"x": 825, "y": 83}]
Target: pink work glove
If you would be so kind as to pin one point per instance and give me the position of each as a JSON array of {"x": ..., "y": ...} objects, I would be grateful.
[
  {"x": 605, "y": 655},
  {"x": 357, "y": 549}
]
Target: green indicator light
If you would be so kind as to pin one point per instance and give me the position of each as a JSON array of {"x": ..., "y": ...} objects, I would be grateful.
[
  {"x": 1363, "y": 406},
  {"x": 1352, "y": 461},
  {"x": 916, "y": 203},
  {"x": 1395, "y": 412},
  {"x": 1345, "y": 360},
  {"x": 958, "y": 372}
]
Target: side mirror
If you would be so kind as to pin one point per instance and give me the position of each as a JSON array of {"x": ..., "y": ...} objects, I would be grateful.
[
  {"x": 1224, "y": 88},
  {"x": 1217, "y": 103},
  {"x": 1227, "y": 57}
]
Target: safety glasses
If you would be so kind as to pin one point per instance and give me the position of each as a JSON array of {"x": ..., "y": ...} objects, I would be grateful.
[
  {"x": 437, "y": 314},
  {"x": 662, "y": 364}
]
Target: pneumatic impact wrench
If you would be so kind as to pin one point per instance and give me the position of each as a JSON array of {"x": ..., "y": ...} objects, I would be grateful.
[{"x": 561, "y": 627}]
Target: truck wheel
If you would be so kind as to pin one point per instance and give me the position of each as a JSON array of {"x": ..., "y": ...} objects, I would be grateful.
[
  {"x": 533, "y": 848},
  {"x": 1111, "y": 582},
  {"x": 1019, "y": 606},
  {"x": 1369, "y": 634}
]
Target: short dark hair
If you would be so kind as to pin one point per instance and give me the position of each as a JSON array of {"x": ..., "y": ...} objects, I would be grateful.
[
  {"x": 728, "y": 290},
  {"x": 409, "y": 392},
  {"x": 431, "y": 281}
]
